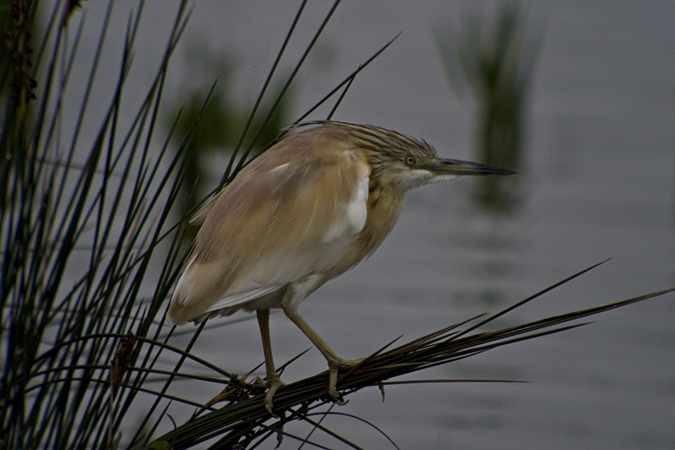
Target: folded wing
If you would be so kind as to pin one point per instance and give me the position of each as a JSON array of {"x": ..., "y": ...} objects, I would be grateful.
[{"x": 285, "y": 216}]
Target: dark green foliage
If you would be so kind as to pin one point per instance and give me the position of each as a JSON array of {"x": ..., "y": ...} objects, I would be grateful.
[
  {"x": 215, "y": 127},
  {"x": 493, "y": 62},
  {"x": 84, "y": 214}
]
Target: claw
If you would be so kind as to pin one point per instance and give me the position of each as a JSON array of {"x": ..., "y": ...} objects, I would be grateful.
[
  {"x": 333, "y": 368},
  {"x": 332, "y": 387},
  {"x": 273, "y": 385}
]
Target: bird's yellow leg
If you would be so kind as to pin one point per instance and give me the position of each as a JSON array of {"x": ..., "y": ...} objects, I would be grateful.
[
  {"x": 273, "y": 380},
  {"x": 335, "y": 363}
]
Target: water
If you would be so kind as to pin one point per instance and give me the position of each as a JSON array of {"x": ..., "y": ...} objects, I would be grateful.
[{"x": 596, "y": 183}]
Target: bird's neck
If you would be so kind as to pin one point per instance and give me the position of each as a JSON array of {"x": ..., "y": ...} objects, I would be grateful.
[{"x": 384, "y": 208}]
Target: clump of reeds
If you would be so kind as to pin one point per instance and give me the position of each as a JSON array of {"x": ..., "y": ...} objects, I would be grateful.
[
  {"x": 85, "y": 199},
  {"x": 491, "y": 60},
  {"x": 90, "y": 248},
  {"x": 90, "y": 251}
]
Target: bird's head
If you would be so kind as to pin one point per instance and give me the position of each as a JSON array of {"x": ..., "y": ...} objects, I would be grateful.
[{"x": 405, "y": 162}]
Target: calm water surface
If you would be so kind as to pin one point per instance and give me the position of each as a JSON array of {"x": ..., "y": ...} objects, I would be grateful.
[{"x": 597, "y": 182}]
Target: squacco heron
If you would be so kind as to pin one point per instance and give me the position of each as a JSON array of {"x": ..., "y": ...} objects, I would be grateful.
[{"x": 305, "y": 211}]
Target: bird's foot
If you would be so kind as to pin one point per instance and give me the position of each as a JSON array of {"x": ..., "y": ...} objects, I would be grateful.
[
  {"x": 273, "y": 385},
  {"x": 333, "y": 368}
]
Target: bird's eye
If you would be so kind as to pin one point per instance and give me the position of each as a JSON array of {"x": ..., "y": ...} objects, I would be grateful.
[{"x": 410, "y": 160}]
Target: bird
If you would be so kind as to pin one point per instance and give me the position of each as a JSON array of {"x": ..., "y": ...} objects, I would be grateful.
[{"x": 303, "y": 212}]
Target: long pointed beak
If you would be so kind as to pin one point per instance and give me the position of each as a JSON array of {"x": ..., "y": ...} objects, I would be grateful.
[{"x": 457, "y": 167}]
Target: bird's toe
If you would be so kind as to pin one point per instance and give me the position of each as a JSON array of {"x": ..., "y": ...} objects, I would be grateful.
[{"x": 273, "y": 385}]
